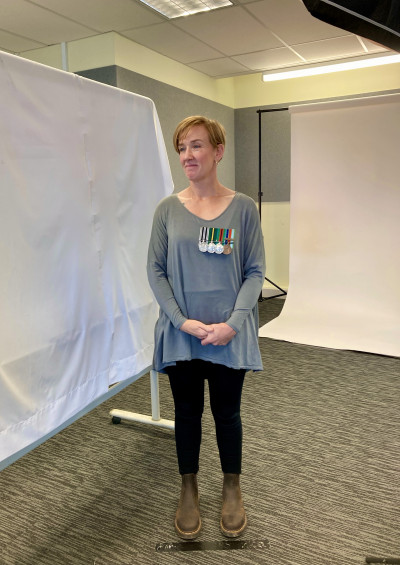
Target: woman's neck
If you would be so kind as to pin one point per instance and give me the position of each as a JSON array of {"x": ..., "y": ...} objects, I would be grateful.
[
  {"x": 206, "y": 204},
  {"x": 205, "y": 190}
]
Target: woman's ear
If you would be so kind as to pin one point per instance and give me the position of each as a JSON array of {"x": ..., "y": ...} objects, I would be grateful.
[{"x": 220, "y": 152}]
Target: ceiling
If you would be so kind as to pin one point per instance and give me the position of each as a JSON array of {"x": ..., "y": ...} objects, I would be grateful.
[{"x": 250, "y": 36}]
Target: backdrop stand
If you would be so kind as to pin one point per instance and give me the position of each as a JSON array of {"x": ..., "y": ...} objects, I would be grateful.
[
  {"x": 260, "y": 194},
  {"x": 155, "y": 418}
]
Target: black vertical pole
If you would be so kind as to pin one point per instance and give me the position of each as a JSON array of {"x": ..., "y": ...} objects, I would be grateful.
[
  {"x": 260, "y": 194},
  {"x": 259, "y": 164}
]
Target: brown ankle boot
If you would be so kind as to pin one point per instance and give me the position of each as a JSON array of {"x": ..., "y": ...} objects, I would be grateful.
[
  {"x": 187, "y": 520},
  {"x": 233, "y": 518}
]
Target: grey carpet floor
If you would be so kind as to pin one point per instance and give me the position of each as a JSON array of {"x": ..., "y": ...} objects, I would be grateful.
[{"x": 320, "y": 478}]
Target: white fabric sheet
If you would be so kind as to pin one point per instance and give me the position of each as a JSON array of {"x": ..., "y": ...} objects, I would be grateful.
[
  {"x": 344, "y": 287},
  {"x": 82, "y": 167}
]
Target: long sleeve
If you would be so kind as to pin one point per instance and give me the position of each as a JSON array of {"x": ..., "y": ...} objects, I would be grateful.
[
  {"x": 253, "y": 270},
  {"x": 157, "y": 269}
]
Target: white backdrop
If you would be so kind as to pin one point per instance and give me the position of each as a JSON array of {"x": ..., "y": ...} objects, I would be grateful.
[
  {"x": 82, "y": 167},
  {"x": 344, "y": 287}
]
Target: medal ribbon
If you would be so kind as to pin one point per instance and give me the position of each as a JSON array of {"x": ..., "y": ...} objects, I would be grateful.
[{"x": 225, "y": 236}]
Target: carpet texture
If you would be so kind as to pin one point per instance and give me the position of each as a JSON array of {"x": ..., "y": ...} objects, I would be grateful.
[{"x": 320, "y": 475}]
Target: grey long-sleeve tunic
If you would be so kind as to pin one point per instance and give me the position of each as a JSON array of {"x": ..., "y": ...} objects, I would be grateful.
[{"x": 210, "y": 287}]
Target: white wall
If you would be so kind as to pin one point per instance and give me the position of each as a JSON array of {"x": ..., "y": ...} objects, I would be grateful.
[{"x": 275, "y": 223}]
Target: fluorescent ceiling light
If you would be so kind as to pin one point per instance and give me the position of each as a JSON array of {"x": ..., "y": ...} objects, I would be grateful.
[
  {"x": 177, "y": 8},
  {"x": 321, "y": 69}
]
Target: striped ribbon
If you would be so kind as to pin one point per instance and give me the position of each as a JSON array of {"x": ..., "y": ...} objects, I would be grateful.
[{"x": 217, "y": 235}]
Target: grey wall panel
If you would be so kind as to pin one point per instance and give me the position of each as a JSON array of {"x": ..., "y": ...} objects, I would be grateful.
[
  {"x": 246, "y": 151},
  {"x": 275, "y": 155},
  {"x": 106, "y": 75},
  {"x": 174, "y": 104}
]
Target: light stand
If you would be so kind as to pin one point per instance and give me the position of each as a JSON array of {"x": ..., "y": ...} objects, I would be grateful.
[{"x": 260, "y": 194}]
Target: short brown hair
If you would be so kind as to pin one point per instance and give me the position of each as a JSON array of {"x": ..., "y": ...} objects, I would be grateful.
[{"x": 216, "y": 131}]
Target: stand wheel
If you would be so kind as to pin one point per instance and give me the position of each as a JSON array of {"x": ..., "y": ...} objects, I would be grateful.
[{"x": 116, "y": 420}]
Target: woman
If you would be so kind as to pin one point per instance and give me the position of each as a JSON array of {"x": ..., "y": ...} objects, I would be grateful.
[{"x": 206, "y": 269}]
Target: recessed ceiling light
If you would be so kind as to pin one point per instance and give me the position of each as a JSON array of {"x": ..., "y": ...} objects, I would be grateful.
[{"x": 177, "y": 8}]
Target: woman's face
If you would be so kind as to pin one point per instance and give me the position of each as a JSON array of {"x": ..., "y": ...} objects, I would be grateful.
[{"x": 196, "y": 154}]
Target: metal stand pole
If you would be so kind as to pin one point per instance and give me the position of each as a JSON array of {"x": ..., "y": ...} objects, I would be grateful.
[
  {"x": 155, "y": 418},
  {"x": 260, "y": 194}
]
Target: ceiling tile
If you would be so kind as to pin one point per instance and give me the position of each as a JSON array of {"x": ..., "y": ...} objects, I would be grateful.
[
  {"x": 326, "y": 49},
  {"x": 249, "y": 36},
  {"x": 104, "y": 15},
  {"x": 36, "y": 23},
  {"x": 231, "y": 31},
  {"x": 172, "y": 42},
  {"x": 219, "y": 67},
  {"x": 373, "y": 47},
  {"x": 269, "y": 59},
  {"x": 291, "y": 21},
  {"x": 15, "y": 43}
]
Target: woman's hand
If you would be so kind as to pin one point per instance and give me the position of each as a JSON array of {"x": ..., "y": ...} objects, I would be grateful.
[
  {"x": 218, "y": 334},
  {"x": 195, "y": 328}
]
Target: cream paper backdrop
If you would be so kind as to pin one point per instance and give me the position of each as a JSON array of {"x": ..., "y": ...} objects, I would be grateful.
[
  {"x": 344, "y": 275},
  {"x": 82, "y": 167}
]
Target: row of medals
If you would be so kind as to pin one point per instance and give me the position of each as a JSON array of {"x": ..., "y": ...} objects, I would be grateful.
[{"x": 217, "y": 248}]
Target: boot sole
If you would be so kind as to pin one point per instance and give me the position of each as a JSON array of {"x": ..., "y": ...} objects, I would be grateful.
[
  {"x": 187, "y": 535},
  {"x": 233, "y": 533}
]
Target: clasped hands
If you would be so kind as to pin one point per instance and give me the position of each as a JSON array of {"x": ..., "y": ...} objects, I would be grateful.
[{"x": 214, "y": 334}]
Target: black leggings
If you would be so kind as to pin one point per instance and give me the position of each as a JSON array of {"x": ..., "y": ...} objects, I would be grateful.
[{"x": 225, "y": 387}]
